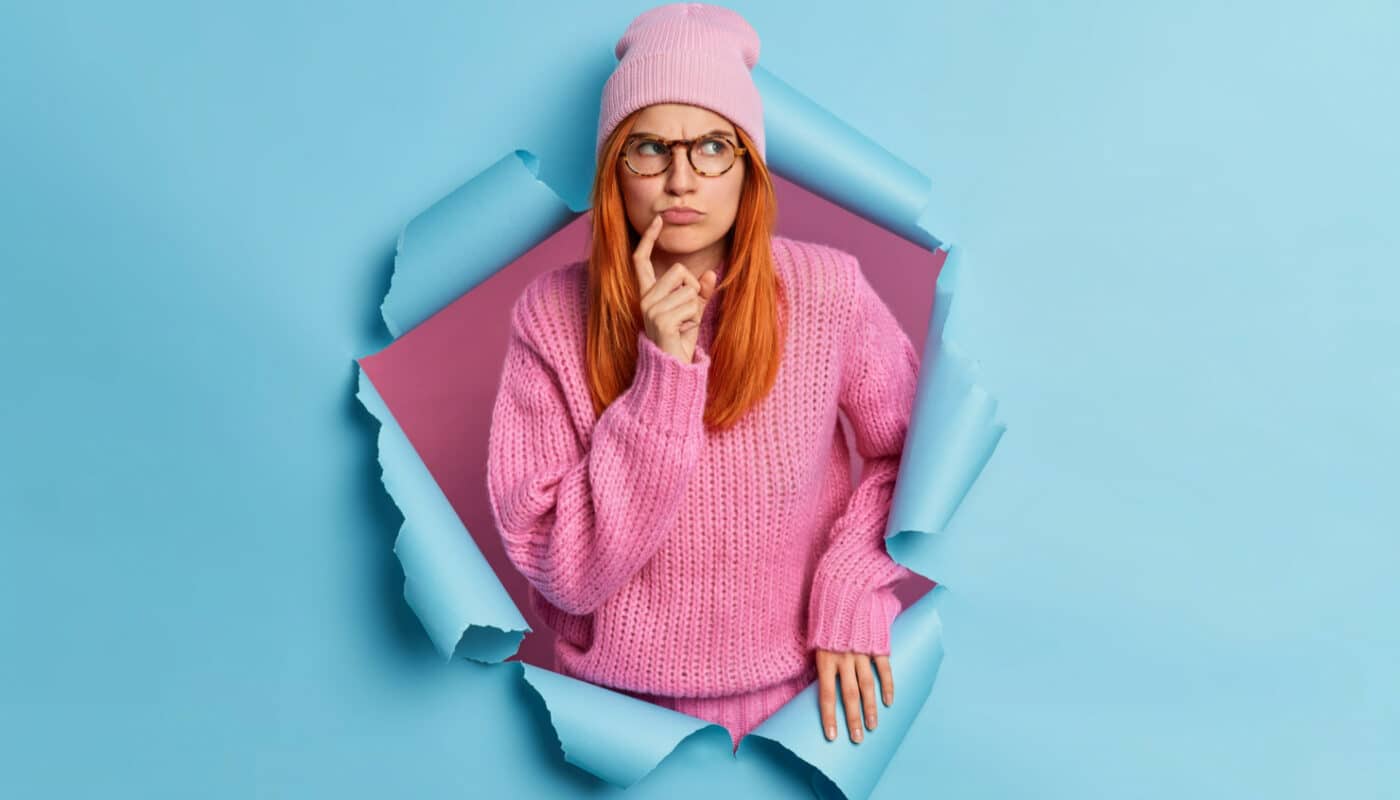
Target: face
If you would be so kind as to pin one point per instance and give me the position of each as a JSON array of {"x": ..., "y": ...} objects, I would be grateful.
[{"x": 699, "y": 244}]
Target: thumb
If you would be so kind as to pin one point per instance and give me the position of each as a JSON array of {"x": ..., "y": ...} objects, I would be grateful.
[{"x": 708, "y": 281}]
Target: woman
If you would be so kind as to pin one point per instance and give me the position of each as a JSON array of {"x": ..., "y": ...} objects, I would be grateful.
[{"x": 666, "y": 466}]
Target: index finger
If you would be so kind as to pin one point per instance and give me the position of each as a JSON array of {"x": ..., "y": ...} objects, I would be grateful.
[{"x": 641, "y": 257}]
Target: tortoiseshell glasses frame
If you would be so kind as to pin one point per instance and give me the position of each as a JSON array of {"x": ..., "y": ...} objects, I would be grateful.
[{"x": 669, "y": 144}]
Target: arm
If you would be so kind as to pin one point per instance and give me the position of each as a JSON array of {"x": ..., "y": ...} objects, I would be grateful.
[
  {"x": 578, "y": 523},
  {"x": 852, "y": 604}
]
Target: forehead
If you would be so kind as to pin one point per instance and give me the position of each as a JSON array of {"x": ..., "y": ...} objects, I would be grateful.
[{"x": 679, "y": 121}]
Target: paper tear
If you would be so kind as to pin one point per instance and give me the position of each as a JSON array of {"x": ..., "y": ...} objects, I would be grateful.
[
  {"x": 916, "y": 654},
  {"x": 817, "y": 150},
  {"x": 624, "y": 754},
  {"x": 447, "y": 582},
  {"x": 501, "y": 214},
  {"x": 951, "y": 437},
  {"x": 465, "y": 237},
  {"x": 585, "y": 715}
]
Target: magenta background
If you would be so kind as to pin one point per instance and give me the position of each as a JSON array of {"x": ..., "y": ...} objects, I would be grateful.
[{"x": 439, "y": 380}]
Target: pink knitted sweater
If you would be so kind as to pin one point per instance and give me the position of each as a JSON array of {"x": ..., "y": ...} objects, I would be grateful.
[{"x": 674, "y": 560}]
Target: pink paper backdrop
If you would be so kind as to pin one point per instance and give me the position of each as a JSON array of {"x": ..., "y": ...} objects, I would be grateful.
[{"x": 439, "y": 380}]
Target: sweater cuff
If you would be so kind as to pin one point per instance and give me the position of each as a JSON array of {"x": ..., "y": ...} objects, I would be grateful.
[
  {"x": 845, "y": 618},
  {"x": 667, "y": 393}
]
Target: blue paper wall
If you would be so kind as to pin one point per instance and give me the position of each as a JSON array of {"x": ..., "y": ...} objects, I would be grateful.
[{"x": 1175, "y": 576}]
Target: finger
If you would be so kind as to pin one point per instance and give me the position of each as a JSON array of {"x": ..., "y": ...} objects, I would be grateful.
[
  {"x": 826, "y": 694},
  {"x": 679, "y": 275},
  {"x": 882, "y": 665},
  {"x": 706, "y": 286},
  {"x": 683, "y": 295},
  {"x": 696, "y": 288},
  {"x": 641, "y": 257},
  {"x": 674, "y": 278},
  {"x": 866, "y": 679},
  {"x": 850, "y": 697},
  {"x": 708, "y": 282},
  {"x": 673, "y": 318}
]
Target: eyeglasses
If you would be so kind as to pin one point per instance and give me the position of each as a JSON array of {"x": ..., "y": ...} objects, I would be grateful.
[{"x": 710, "y": 155}]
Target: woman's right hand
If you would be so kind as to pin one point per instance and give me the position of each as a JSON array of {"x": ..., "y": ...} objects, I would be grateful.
[{"x": 672, "y": 304}]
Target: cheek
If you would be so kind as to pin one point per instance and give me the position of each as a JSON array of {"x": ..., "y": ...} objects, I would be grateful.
[
  {"x": 729, "y": 200},
  {"x": 637, "y": 201}
]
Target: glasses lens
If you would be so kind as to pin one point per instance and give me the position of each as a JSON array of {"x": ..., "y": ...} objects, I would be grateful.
[
  {"x": 712, "y": 155},
  {"x": 647, "y": 156}
]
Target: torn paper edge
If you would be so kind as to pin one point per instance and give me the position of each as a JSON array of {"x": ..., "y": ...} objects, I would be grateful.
[
  {"x": 447, "y": 581},
  {"x": 817, "y": 150},
  {"x": 459, "y": 241},
  {"x": 621, "y": 755},
  {"x": 854, "y": 770},
  {"x": 954, "y": 431}
]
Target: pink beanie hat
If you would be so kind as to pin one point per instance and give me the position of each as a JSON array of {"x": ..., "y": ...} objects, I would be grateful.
[{"x": 693, "y": 53}]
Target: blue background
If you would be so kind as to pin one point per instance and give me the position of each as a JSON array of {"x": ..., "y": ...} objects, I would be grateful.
[{"x": 1176, "y": 574}]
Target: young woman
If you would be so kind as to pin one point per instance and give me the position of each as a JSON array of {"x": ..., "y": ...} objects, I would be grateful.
[{"x": 666, "y": 466}]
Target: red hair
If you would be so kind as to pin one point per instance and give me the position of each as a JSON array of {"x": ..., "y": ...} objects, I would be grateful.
[{"x": 747, "y": 346}]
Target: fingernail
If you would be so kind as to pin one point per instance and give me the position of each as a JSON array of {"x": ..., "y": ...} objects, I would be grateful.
[
  {"x": 859, "y": 735},
  {"x": 830, "y": 733}
]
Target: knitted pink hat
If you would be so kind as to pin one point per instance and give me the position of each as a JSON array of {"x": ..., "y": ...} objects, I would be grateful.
[{"x": 693, "y": 53}]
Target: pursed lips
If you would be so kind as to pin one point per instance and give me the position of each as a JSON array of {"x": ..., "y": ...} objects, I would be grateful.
[{"x": 681, "y": 214}]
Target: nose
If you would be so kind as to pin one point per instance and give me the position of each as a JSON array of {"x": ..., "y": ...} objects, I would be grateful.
[{"x": 680, "y": 176}]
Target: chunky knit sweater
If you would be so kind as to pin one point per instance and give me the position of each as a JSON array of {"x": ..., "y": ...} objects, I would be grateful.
[{"x": 675, "y": 560}]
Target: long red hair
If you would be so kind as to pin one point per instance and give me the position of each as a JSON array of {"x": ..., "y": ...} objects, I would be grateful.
[{"x": 747, "y": 346}]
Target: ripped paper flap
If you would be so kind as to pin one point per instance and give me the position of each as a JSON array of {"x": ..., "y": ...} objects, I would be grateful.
[
  {"x": 464, "y": 238},
  {"x": 951, "y": 437},
  {"x": 916, "y": 653},
  {"x": 447, "y": 582},
  {"x": 585, "y": 718}
]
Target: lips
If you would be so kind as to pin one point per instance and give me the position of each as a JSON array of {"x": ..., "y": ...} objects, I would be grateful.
[{"x": 679, "y": 217}]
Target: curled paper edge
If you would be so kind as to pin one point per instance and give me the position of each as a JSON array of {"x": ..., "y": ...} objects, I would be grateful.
[
  {"x": 618, "y": 754},
  {"x": 951, "y": 437},
  {"x": 623, "y": 755},
  {"x": 817, "y": 150},
  {"x": 916, "y": 655},
  {"x": 446, "y": 578},
  {"x": 457, "y": 242}
]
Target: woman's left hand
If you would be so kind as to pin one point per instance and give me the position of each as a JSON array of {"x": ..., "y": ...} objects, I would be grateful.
[{"x": 857, "y": 689}]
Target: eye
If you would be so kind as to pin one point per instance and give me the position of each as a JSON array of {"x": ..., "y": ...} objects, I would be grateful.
[{"x": 650, "y": 147}]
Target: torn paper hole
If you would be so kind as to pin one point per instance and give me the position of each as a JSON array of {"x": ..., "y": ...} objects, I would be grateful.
[{"x": 461, "y": 263}]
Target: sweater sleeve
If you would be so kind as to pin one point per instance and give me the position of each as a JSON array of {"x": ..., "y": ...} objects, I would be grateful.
[
  {"x": 578, "y": 521},
  {"x": 852, "y": 603}
]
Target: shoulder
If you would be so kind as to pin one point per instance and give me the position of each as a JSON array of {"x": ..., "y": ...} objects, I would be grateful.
[
  {"x": 555, "y": 292},
  {"x": 822, "y": 269},
  {"x": 550, "y": 309},
  {"x": 821, "y": 277},
  {"x": 815, "y": 261}
]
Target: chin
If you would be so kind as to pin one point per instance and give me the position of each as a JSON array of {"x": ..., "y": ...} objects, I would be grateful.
[{"x": 683, "y": 240}]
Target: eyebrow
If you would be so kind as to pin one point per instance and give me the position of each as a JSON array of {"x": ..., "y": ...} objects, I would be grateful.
[{"x": 659, "y": 136}]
